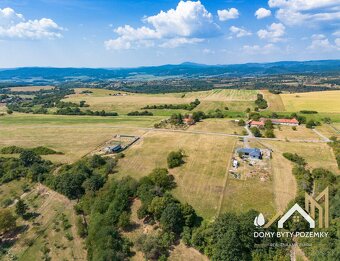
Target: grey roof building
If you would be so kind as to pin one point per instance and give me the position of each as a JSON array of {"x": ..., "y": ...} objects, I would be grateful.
[{"x": 253, "y": 153}]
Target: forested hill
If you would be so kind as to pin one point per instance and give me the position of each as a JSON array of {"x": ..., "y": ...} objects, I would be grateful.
[{"x": 186, "y": 70}]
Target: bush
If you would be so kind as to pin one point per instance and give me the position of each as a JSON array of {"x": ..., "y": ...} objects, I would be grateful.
[
  {"x": 256, "y": 132},
  {"x": 241, "y": 123},
  {"x": 175, "y": 159},
  {"x": 294, "y": 158}
]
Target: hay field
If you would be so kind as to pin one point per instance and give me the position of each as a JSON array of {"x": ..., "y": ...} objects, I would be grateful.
[
  {"x": 244, "y": 195},
  {"x": 74, "y": 140},
  {"x": 210, "y": 100},
  {"x": 329, "y": 130},
  {"x": 274, "y": 101},
  {"x": 217, "y": 125},
  {"x": 303, "y": 133},
  {"x": 199, "y": 180},
  {"x": 31, "y": 88},
  {"x": 325, "y": 101},
  {"x": 317, "y": 155}
]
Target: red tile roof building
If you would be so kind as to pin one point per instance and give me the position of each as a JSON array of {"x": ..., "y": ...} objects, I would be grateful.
[{"x": 261, "y": 122}]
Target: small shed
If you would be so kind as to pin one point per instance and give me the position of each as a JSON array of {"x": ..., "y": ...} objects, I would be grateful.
[
  {"x": 113, "y": 149},
  {"x": 252, "y": 153}
]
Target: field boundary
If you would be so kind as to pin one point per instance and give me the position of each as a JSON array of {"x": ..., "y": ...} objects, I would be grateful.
[{"x": 225, "y": 182}]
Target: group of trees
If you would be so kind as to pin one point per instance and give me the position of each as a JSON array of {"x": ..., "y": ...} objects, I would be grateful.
[
  {"x": 77, "y": 111},
  {"x": 189, "y": 107},
  {"x": 140, "y": 113},
  {"x": 260, "y": 102},
  {"x": 29, "y": 165},
  {"x": 40, "y": 150},
  {"x": 85, "y": 176},
  {"x": 315, "y": 181}
]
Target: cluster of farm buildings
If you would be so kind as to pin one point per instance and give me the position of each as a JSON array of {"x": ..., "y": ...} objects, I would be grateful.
[{"x": 261, "y": 122}]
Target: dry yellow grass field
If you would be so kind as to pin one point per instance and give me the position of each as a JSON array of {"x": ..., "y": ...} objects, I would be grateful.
[
  {"x": 329, "y": 130},
  {"x": 326, "y": 101},
  {"x": 274, "y": 101},
  {"x": 303, "y": 133},
  {"x": 31, "y": 88},
  {"x": 74, "y": 136},
  {"x": 217, "y": 125},
  {"x": 199, "y": 180},
  {"x": 210, "y": 100},
  {"x": 317, "y": 155}
]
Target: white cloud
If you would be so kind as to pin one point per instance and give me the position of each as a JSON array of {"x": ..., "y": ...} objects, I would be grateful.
[
  {"x": 189, "y": 23},
  {"x": 175, "y": 42},
  {"x": 229, "y": 14},
  {"x": 262, "y": 13},
  {"x": 320, "y": 43},
  {"x": 297, "y": 12},
  {"x": 337, "y": 42},
  {"x": 336, "y": 33},
  {"x": 257, "y": 49},
  {"x": 14, "y": 26},
  {"x": 273, "y": 33},
  {"x": 208, "y": 51},
  {"x": 239, "y": 32}
]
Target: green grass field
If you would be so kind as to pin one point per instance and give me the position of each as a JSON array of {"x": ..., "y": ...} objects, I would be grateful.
[{"x": 326, "y": 101}]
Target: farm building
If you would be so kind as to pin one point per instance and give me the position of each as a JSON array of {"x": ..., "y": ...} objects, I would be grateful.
[
  {"x": 289, "y": 122},
  {"x": 260, "y": 123},
  {"x": 113, "y": 149},
  {"x": 252, "y": 123},
  {"x": 189, "y": 120},
  {"x": 252, "y": 153}
]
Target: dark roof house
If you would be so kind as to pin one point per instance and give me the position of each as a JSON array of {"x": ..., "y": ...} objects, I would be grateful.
[{"x": 253, "y": 153}]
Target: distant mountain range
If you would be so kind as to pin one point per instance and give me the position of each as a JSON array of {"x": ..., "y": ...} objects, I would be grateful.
[{"x": 43, "y": 75}]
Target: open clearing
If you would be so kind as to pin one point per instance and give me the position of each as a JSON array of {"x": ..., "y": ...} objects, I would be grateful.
[
  {"x": 217, "y": 125},
  {"x": 274, "y": 101},
  {"x": 329, "y": 130},
  {"x": 326, "y": 101},
  {"x": 66, "y": 134},
  {"x": 127, "y": 102},
  {"x": 301, "y": 132},
  {"x": 31, "y": 88},
  {"x": 201, "y": 179},
  {"x": 317, "y": 155}
]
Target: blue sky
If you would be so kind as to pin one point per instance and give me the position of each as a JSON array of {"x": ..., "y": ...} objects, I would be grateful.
[{"x": 83, "y": 33}]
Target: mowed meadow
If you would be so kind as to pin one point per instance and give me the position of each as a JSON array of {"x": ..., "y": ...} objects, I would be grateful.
[
  {"x": 123, "y": 103},
  {"x": 201, "y": 180},
  {"x": 74, "y": 136},
  {"x": 325, "y": 101}
]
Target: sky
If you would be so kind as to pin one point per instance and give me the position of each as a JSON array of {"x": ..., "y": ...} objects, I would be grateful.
[{"x": 126, "y": 33}]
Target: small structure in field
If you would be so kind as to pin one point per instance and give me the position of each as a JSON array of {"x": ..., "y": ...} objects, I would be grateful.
[
  {"x": 235, "y": 163},
  {"x": 113, "y": 149},
  {"x": 251, "y": 153},
  {"x": 189, "y": 120}
]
